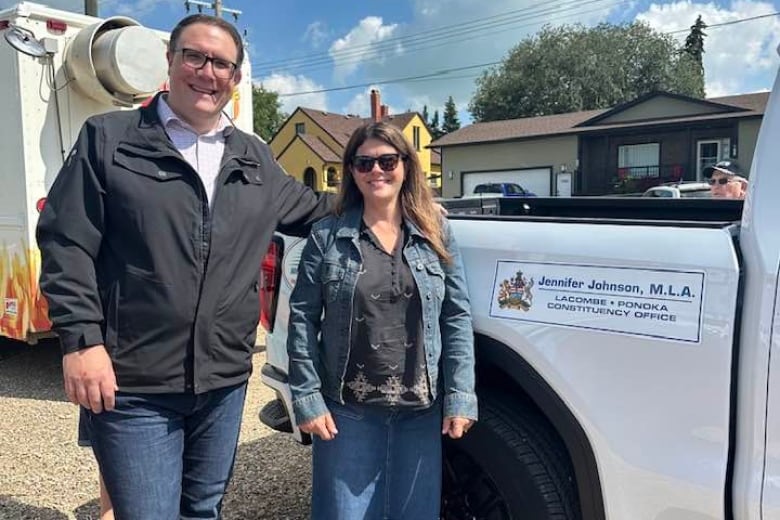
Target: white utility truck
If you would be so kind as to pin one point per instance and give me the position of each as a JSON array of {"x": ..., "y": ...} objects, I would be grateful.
[
  {"x": 58, "y": 69},
  {"x": 627, "y": 354}
]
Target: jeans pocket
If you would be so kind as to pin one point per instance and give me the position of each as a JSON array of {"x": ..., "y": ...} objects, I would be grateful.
[{"x": 347, "y": 410}]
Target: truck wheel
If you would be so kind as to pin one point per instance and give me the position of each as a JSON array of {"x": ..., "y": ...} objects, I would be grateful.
[{"x": 511, "y": 465}]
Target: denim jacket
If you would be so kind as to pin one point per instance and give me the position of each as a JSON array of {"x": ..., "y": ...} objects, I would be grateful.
[{"x": 321, "y": 315}]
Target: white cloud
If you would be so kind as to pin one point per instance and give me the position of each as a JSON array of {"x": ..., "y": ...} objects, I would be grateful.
[
  {"x": 738, "y": 58},
  {"x": 359, "y": 46},
  {"x": 138, "y": 8},
  {"x": 286, "y": 84},
  {"x": 315, "y": 34},
  {"x": 483, "y": 33}
]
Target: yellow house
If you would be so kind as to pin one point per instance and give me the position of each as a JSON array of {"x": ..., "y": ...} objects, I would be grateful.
[{"x": 309, "y": 145}]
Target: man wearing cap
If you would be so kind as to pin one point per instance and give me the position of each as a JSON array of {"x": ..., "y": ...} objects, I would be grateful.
[{"x": 726, "y": 180}]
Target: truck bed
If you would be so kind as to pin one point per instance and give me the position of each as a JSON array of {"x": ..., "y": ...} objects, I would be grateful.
[{"x": 604, "y": 210}]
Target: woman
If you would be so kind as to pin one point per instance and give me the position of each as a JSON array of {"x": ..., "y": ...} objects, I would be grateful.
[{"x": 380, "y": 343}]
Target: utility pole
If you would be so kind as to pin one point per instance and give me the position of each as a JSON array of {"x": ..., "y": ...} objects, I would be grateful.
[
  {"x": 91, "y": 7},
  {"x": 216, "y": 5}
]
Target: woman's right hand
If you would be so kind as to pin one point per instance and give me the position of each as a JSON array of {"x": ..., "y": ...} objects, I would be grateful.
[{"x": 322, "y": 426}]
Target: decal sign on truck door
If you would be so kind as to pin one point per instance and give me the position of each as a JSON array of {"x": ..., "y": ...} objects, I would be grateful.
[{"x": 662, "y": 304}]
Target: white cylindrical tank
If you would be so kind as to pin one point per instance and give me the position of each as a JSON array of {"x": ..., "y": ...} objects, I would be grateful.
[{"x": 117, "y": 61}]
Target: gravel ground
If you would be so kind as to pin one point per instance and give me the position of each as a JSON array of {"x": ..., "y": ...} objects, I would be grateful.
[{"x": 45, "y": 475}]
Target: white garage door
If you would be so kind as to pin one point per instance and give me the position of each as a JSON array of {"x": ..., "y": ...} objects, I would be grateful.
[{"x": 536, "y": 180}]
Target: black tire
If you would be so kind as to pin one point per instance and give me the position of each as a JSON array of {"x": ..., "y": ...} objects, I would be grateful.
[{"x": 511, "y": 465}]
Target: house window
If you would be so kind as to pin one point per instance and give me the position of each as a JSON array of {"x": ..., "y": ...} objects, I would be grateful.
[
  {"x": 639, "y": 160},
  {"x": 709, "y": 152},
  {"x": 300, "y": 128},
  {"x": 332, "y": 177},
  {"x": 416, "y": 137}
]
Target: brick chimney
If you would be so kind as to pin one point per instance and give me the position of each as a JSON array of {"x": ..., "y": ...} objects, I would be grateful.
[
  {"x": 376, "y": 105},
  {"x": 384, "y": 111}
]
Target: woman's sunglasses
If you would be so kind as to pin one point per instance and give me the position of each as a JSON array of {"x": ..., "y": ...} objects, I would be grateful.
[
  {"x": 387, "y": 162},
  {"x": 721, "y": 181}
]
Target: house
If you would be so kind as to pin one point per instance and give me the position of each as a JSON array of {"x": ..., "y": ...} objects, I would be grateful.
[
  {"x": 656, "y": 138},
  {"x": 310, "y": 143}
]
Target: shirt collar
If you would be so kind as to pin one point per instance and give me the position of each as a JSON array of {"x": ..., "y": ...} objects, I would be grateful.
[{"x": 169, "y": 117}]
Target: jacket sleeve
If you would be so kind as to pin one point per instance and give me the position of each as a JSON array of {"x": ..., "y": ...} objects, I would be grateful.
[
  {"x": 69, "y": 234},
  {"x": 457, "y": 337},
  {"x": 303, "y": 336}
]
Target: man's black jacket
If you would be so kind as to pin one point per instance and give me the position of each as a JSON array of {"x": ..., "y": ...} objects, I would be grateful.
[{"x": 134, "y": 258}]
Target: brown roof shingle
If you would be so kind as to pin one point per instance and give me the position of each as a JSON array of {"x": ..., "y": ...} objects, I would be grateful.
[
  {"x": 320, "y": 148},
  {"x": 756, "y": 101},
  {"x": 517, "y": 128},
  {"x": 341, "y": 126}
]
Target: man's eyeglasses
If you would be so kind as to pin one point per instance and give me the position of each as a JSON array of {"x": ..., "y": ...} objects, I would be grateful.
[
  {"x": 721, "y": 180},
  {"x": 223, "y": 69},
  {"x": 387, "y": 162}
]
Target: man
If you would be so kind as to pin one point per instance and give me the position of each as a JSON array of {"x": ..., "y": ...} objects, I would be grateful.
[
  {"x": 726, "y": 180},
  {"x": 151, "y": 243}
]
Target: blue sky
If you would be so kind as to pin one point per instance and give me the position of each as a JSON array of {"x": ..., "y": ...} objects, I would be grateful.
[{"x": 300, "y": 46}]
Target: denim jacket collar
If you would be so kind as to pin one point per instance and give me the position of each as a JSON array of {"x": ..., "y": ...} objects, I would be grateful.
[{"x": 349, "y": 224}]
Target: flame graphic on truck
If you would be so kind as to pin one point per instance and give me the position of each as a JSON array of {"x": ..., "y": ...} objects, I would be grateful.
[{"x": 23, "y": 309}]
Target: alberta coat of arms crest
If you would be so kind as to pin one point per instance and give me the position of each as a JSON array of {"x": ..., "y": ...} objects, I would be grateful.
[{"x": 515, "y": 293}]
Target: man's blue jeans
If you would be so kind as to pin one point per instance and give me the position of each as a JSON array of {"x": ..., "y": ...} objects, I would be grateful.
[{"x": 168, "y": 456}]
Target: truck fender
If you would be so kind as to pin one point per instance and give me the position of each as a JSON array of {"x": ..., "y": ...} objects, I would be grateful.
[{"x": 492, "y": 356}]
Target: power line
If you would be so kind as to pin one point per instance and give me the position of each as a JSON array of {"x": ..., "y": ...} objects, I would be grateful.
[
  {"x": 443, "y": 32},
  {"x": 732, "y": 22},
  {"x": 439, "y": 74},
  {"x": 358, "y": 59},
  {"x": 398, "y": 80}
]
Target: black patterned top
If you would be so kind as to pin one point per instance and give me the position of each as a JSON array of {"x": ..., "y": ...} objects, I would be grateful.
[{"x": 386, "y": 364}]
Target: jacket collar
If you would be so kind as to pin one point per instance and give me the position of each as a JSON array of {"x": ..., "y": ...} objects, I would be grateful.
[{"x": 349, "y": 223}]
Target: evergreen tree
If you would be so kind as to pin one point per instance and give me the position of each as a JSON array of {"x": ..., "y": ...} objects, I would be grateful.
[
  {"x": 694, "y": 43},
  {"x": 451, "y": 122},
  {"x": 425, "y": 115},
  {"x": 434, "y": 126}
]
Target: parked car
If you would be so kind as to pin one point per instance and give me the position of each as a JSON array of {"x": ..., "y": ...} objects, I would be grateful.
[
  {"x": 500, "y": 189},
  {"x": 697, "y": 190}
]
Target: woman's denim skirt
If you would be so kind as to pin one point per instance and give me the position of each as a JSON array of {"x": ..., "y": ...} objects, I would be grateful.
[{"x": 384, "y": 464}]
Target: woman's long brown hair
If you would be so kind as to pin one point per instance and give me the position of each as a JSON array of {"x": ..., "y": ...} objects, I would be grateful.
[{"x": 416, "y": 197}]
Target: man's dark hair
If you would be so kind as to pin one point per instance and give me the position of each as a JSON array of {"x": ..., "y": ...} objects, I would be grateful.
[{"x": 207, "y": 20}]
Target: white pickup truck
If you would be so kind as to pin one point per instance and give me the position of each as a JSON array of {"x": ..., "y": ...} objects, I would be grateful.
[{"x": 627, "y": 363}]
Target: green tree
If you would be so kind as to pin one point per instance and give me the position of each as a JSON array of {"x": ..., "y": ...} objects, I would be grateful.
[
  {"x": 451, "y": 122},
  {"x": 267, "y": 112},
  {"x": 425, "y": 115},
  {"x": 571, "y": 68},
  {"x": 434, "y": 126},
  {"x": 694, "y": 43}
]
